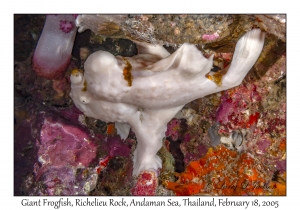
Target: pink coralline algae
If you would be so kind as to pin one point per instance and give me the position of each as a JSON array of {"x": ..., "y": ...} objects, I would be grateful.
[
  {"x": 199, "y": 151},
  {"x": 66, "y": 153},
  {"x": 71, "y": 114},
  {"x": 53, "y": 52},
  {"x": 173, "y": 129},
  {"x": 263, "y": 145},
  {"x": 224, "y": 110},
  {"x": 117, "y": 147},
  {"x": 281, "y": 165},
  {"x": 210, "y": 37},
  {"x": 64, "y": 144},
  {"x": 146, "y": 184},
  {"x": 236, "y": 108},
  {"x": 192, "y": 146}
]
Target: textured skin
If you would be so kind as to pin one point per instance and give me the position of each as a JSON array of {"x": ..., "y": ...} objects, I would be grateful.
[{"x": 162, "y": 84}]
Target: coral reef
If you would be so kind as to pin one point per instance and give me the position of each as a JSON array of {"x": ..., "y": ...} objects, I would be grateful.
[
  {"x": 251, "y": 109},
  {"x": 225, "y": 172},
  {"x": 237, "y": 111},
  {"x": 218, "y": 32},
  {"x": 169, "y": 30},
  {"x": 251, "y": 126},
  {"x": 231, "y": 142},
  {"x": 173, "y": 129},
  {"x": 36, "y": 97},
  {"x": 64, "y": 152},
  {"x": 65, "y": 156}
]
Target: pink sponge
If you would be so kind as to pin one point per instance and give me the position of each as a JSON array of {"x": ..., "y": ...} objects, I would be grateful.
[{"x": 53, "y": 52}]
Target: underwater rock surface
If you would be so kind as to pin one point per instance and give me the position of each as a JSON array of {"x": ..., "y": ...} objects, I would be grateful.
[{"x": 59, "y": 151}]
